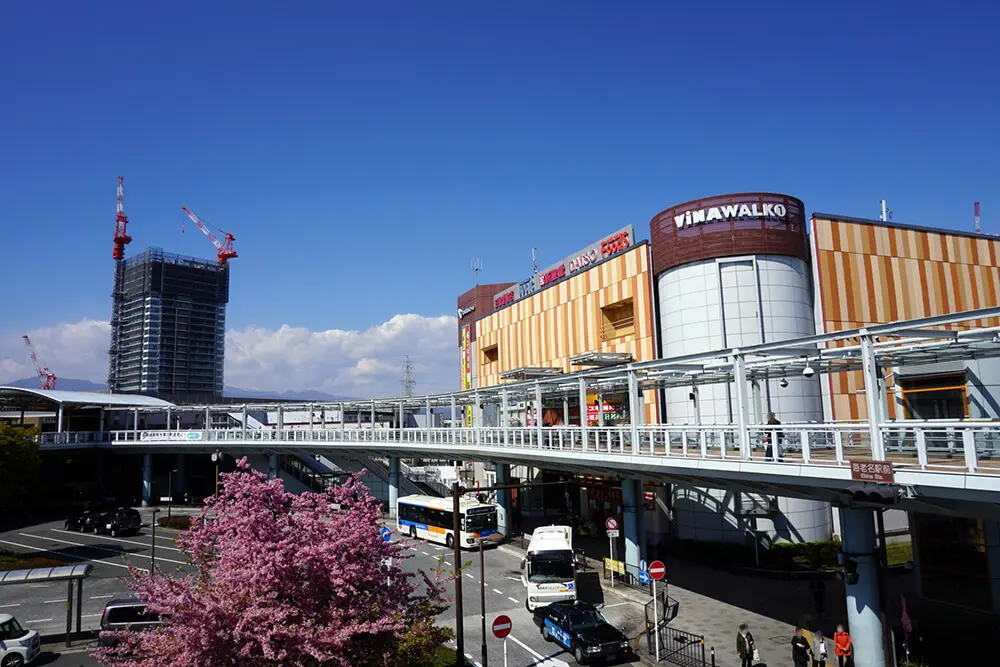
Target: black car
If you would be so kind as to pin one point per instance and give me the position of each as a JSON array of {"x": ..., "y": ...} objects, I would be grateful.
[
  {"x": 84, "y": 521},
  {"x": 583, "y": 631},
  {"x": 121, "y": 521}
]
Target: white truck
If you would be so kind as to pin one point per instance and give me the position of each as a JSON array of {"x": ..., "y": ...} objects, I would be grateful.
[{"x": 548, "y": 570}]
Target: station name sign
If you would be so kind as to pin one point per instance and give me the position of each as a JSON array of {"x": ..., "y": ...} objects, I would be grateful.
[
  {"x": 725, "y": 212},
  {"x": 610, "y": 246}
]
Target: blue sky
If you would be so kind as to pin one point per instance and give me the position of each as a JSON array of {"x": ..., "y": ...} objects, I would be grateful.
[{"x": 364, "y": 153}]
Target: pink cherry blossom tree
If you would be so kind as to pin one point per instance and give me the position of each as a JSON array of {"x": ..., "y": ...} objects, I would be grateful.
[{"x": 285, "y": 579}]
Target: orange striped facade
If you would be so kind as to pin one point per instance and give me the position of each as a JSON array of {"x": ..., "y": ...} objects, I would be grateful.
[
  {"x": 872, "y": 273},
  {"x": 565, "y": 320}
]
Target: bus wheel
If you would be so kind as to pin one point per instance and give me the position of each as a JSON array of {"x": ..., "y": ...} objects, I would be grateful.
[
  {"x": 450, "y": 541},
  {"x": 413, "y": 532}
]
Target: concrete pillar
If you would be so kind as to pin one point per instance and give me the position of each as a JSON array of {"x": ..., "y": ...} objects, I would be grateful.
[
  {"x": 600, "y": 408},
  {"x": 538, "y": 411},
  {"x": 372, "y": 415},
  {"x": 583, "y": 411},
  {"x": 505, "y": 524},
  {"x": 281, "y": 420},
  {"x": 565, "y": 410},
  {"x": 742, "y": 403},
  {"x": 244, "y": 421},
  {"x": 168, "y": 419},
  {"x": 272, "y": 466},
  {"x": 393, "y": 484},
  {"x": 633, "y": 410},
  {"x": 630, "y": 525},
  {"x": 863, "y": 613},
  {"x": 208, "y": 418},
  {"x": 504, "y": 416},
  {"x": 147, "y": 479},
  {"x": 428, "y": 419}
]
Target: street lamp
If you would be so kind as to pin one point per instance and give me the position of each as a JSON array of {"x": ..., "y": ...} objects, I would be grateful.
[
  {"x": 170, "y": 491},
  {"x": 152, "y": 558},
  {"x": 217, "y": 456}
]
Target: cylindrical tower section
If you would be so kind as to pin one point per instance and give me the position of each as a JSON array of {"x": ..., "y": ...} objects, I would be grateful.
[{"x": 733, "y": 271}]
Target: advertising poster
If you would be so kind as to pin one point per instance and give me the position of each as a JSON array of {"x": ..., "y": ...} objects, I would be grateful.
[{"x": 467, "y": 368}]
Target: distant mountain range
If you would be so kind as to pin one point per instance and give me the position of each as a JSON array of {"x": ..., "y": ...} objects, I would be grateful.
[{"x": 71, "y": 384}]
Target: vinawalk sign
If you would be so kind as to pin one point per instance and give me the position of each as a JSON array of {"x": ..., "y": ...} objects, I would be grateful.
[
  {"x": 703, "y": 216},
  {"x": 610, "y": 246}
]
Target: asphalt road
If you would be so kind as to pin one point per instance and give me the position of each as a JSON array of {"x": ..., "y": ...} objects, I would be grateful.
[{"x": 42, "y": 607}]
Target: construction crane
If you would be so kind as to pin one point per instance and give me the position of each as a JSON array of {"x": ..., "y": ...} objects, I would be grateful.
[
  {"x": 226, "y": 251},
  {"x": 48, "y": 377},
  {"x": 121, "y": 240}
]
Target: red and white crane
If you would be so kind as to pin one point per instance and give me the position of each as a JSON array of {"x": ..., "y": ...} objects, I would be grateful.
[
  {"x": 122, "y": 238},
  {"x": 226, "y": 251},
  {"x": 48, "y": 377}
]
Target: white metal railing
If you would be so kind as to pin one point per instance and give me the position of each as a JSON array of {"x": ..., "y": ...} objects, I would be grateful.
[{"x": 969, "y": 446}]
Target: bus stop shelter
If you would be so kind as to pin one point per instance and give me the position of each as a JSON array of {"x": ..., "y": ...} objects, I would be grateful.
[{"x": 43, "y": 575}]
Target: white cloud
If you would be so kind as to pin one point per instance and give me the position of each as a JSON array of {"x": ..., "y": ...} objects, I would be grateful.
[{"x": 348, "y": 363}]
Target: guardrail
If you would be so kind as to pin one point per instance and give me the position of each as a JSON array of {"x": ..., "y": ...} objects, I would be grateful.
[{"x": 968, "y": 447}]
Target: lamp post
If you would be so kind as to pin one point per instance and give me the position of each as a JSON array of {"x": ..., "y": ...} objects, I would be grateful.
[
  {"x": 170, "y": 491},
  {"x": 482, "y": 600},
  {"x": 217, "y": 456},
  {"x": 152, "y": 558}
]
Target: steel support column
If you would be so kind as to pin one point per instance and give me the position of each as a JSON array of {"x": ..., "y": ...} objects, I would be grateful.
[
  {"x": 147, "y": 479},
  {"x": 600, "y": 404},
  {"x": 372, "y": 416},
  {"x": 538, "y": 412},
  {"x": 504, "y": 420},
  {"x": 393, "y": 484},
  {"x": 583, "y": 411},
  {"x": 505, "y": 523},
  {"x": 429, "y": 422},
  {"x": 169, "y": 415},
  {"x": 742, "y": 406},
  {"x": 565, "y": 410},
  {"x": 272, "y": 466},
  {"x": 454, "y": 418},
  {"x": 245, "y": 421},
  {"x": 863, "y": 612},
  {"x": 631, "y": 490},
  {"x": 281, "y": 420},
  {"x": 208, "y": 418},
  {"x": 873, "y": 398},
  {"x": 633, "y": 409}
]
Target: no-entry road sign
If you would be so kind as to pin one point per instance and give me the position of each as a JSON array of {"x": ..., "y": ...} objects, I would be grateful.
[
  {"x": 611, "y": 523},
  {"x": 657, "y": 570},
  {"x": 501, "y": 626}
]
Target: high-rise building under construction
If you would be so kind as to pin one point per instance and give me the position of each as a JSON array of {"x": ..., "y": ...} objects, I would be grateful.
[{"x": 169, "y": 330}]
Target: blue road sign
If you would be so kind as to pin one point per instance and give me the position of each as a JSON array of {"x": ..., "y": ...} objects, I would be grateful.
[
  {"x": 643, "y": 577},
  {"x": 386, "y": 534},
  {"x": 642, "y": 566}
]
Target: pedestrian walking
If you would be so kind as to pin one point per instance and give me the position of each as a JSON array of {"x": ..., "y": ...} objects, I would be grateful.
[
  {"x": 745, "y": 646},
  {"x": 773, "y": 443},
  {"x": 842, "y": 647},
  {"x": 819, "y": 649},
  {"x": 800, "y": 649},
  {"x": 818, "y": 587}
]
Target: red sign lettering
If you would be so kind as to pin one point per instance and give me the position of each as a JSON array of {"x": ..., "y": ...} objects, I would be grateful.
[
  {"x": 503, "y": 300},
  {"x": 614, "y": 244},
  {"x": 553, "y": 275}
]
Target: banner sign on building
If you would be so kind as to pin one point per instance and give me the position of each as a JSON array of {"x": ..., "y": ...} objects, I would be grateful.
[
  {"x": 614, "y": 244},
  {"x": 467, "y": 369}
]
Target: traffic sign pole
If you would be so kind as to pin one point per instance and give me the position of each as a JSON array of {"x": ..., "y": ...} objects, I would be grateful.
[
  {"x": 612, "y": 525},
  {"x": 657, "y": 570},
  {"x": 504, "y": 652}
]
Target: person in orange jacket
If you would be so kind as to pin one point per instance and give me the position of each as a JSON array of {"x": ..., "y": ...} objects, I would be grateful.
[{"x": 842, "y": 647}]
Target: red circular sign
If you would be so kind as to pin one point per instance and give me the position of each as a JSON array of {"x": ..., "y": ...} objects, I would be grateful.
[
  {"x": 657, "y": 570},
  {"x": 611, "y": 523},
  {"x": 501, "y": 626}
]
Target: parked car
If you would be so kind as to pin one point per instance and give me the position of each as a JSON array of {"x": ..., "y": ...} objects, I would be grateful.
[
  {"x": 583, "y": 631},
  {"x": 125, "y": 614},
  {"x": 17, "y": 646},
  {"x": 121, "y": 521},
  {"x": 82, "y": 521}
]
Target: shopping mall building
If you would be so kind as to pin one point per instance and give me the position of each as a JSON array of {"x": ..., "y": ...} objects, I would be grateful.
[{"x": 730, "y": 271}]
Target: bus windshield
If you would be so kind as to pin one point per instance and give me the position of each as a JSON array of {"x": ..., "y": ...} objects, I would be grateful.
[
  {"x": 546, "y": 567},
  {"x": 483, "y": 521}
]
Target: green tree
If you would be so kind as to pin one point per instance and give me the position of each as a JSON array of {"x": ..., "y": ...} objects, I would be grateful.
[{"x": 20, "y": 466}]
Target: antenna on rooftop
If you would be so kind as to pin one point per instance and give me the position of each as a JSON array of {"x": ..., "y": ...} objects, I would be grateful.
[
  {"x": 534, "y": 261},
  {"x": 477, "y": 266},
  {"x": 979, "y": 230},
  {"x": 886, "y": 213}
]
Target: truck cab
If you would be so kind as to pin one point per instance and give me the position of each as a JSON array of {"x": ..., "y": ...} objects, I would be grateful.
[
  {"x": 548, "y": 570},
  {"x": 18, "y": 646}
]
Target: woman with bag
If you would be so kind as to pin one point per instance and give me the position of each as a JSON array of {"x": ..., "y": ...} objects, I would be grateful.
[
  {"x": 745, "y": 646},
  {"x": 819, "y": 650},
  {"x": 843, "y": 648}
]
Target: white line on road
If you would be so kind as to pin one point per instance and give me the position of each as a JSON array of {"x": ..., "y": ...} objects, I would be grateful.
[
  {"x": 63, "y": 551},
  {"x": 617, "y": 604},
  {"x": 90, "y": 615},
  {"x": 100, "y": 548},
  {"x": 542, "y": 661},
  {"x": 512, "y": 599},
  {"x": 101, "y": 597},
  {"x": 38, "y": 620},
  {"x": 5, "y": 606},
  {"x": 497, "y": 591},
  {"x": 425, "y": 553},
  {"x": 51, "y": 601},
  {"x": 469, "y": 576},
  {"x": 117, "y": 539},
  {"x": 518, "y": 579}
]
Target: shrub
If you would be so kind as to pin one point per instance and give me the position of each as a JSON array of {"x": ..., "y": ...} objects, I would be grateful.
[
  {"x": 181, "y": 522},
  {"x": 12, "y": 560}
]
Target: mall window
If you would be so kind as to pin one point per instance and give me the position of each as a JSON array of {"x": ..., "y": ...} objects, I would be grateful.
[
  {"x": 491, "y": 354},
  {"x": 935, "y": 396},
  {"x": 617, "y": 320}
]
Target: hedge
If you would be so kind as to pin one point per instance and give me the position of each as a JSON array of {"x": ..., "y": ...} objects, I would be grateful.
[{"x": 180, "y": 522}]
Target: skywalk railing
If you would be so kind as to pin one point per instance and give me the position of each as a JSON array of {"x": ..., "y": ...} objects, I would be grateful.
[{"x": 959, "y": 446}]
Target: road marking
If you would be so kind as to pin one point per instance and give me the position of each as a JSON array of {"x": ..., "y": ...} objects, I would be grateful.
[
  {"x": 517, "y": 579},
  {"x": 63, "y": 551},
  {"x": 90, "y": 615},
  {"x": 101, "y": 597},
  {"x": 38, "y": 620},
  {"x": 498, "y": 592},
  {"x": 52, "y": 601},
  {"x": 513, "y": 599},
  {"x": 542, "y": 661},
  {"x": 100, "y": 548},
  {"x": 469, "y": 575},
  {"x": 117, "y": 539},
  {"x": 5, "y": 606},
  {"x": 425, "y": 553},
  {"x": 447, "y": 563},
  {"x": 617, "y": 604}
]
